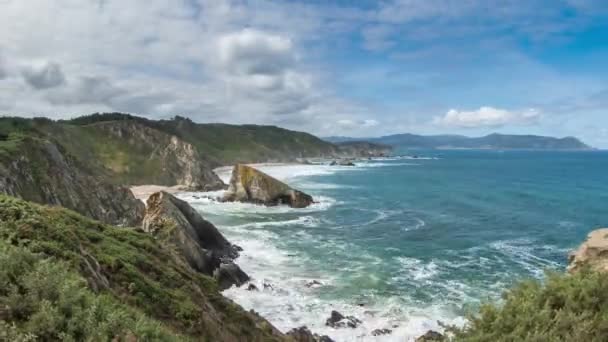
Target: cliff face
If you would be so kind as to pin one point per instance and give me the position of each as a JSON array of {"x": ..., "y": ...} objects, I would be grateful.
[
  {"x": 136, "y": 154},
  {"x": 593, "y": 252},
  {"x": 41, "y": 171},
  {"x": 198, "y": 241}
]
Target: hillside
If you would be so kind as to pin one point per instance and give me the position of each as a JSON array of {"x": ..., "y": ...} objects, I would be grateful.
[
  {"x": 223, "y": 144},
  {"x": 66, "y": 277},
  {"x": 492, "y": 141}
]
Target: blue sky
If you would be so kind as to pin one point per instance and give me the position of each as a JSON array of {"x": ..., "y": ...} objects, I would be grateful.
[{"x": 357, "y": 68}]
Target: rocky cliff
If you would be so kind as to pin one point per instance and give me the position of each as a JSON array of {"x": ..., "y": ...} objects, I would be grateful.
[
  {"x": 593, "y": 252},
  {"x": 198, "y": 241},
  {"x": 41, "y": 171},
  {"x": 136, "y": 154},
  {"x": 250, "y": 185}
]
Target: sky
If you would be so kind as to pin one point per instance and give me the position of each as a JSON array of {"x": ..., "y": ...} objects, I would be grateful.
[{"x": 342, "y": 67}]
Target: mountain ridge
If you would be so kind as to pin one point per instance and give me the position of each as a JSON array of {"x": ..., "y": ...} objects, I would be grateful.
[{"x": 490, "y": 141}]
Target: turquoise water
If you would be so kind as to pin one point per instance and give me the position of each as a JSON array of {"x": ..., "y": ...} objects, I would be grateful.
[{"x": 403, "y": 243}]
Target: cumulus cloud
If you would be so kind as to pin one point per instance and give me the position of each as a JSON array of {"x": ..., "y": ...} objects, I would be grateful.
[
  {"x": 487, "y": 117},
  {"x": 43, "y": 75},
  {"x": 254, "y": 52}
]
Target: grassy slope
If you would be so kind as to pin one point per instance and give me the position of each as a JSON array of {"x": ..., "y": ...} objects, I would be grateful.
[
  {"x": 225, "y": 144},
  {"x": 145, "y": 280}
]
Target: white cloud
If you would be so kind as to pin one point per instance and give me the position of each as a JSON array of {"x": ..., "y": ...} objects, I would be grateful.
[
  {"x": 365, "y": 123},
  {"x": 487, "y": 117},
  {"x": 253, "y": 52}
]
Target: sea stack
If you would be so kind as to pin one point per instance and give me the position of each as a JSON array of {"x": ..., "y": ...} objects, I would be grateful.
[
  {"x": 593, "y": 252},
  {"x": 250, "y": 185}
]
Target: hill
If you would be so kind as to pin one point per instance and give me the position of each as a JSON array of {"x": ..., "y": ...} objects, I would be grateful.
[
  {"x": 492, "y": 141},
  {"x": 224, "y": 144},
  {"x": 67, "y": 277}
]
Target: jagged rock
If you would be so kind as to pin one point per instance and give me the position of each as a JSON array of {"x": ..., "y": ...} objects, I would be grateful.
[
  {"x": 593, "y": 252},
  {"x": 431, "y": 336},
  {"x": 252, "y": 287},
  {"x": 42, "y": 171},
  {"x": 198, "y": 241},
  {"x": 314, "y": 283},
  {"x": 250, "y": 185},
  {"x": 337, "y": 320},
  {"x": 228, "y": 274},
  {"x": 380, "y": 332},
  {"x": 268, "y": 286},
  {"x": 302, "y": 334}
]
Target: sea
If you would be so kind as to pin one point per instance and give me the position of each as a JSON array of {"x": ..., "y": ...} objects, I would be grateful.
[{"x": 412, "y": 242}]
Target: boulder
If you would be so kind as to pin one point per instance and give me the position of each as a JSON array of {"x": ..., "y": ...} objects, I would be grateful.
[
  {"x": 250, "y": 185},
  {"x": 197, "y": 241},
  {"x": 228, "y": 274},
  {"x": 380, "y": 332},
  {"x": 302, "y": 334},
  {"x": 337, "y": 320},
  {"x": 593, "y": 252},
  {"x": 431, "y": 336}
]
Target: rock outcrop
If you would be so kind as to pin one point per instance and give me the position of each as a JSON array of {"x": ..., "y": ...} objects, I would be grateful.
[
  {"x": 250, "y": 185},
  {"x": 302, "y": 334},
  {"x": 337, "y": 320},
  {"x": 198, "y": 241},
  {"x": 42, "y": 171},
  {"x": 593, "y": 252},
  {"x": 431, "y": 336}
]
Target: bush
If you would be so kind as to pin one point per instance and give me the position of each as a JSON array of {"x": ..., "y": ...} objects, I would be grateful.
[
  {"x": 563, "y": 308},
  {"x": 42, "y": 300}
]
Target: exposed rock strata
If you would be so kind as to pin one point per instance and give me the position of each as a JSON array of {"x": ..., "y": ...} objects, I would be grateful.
[
  {"x": 198, "y": 241},
  {"x": 250, "y": 185},
  {"x": 593, "y": 252}
]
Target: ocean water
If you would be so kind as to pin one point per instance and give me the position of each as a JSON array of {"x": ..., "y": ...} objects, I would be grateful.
[{"x": 402, "y": 243}]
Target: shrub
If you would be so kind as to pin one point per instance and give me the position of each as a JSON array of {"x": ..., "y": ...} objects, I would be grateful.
[
  {"x": 564, "y": 307},
  {"x": 42, "y": 299}
]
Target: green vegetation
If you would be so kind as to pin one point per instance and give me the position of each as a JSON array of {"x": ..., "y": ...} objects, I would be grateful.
[
  {"x": 564, "y": 307},
  {"x": 134, "y": 284},
  {"x": 44, "y": 300},
  {"x": 223, "y": 144}
]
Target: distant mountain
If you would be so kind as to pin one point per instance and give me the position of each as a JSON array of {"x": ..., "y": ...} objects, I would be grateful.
[{"x": 492, "y": 141}]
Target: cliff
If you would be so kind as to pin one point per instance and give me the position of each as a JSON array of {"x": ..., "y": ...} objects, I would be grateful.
[
  {"x": 592, "y": 253},
  {"x": 41, "y": 171},
  {"x": 198, "y": 242}
]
